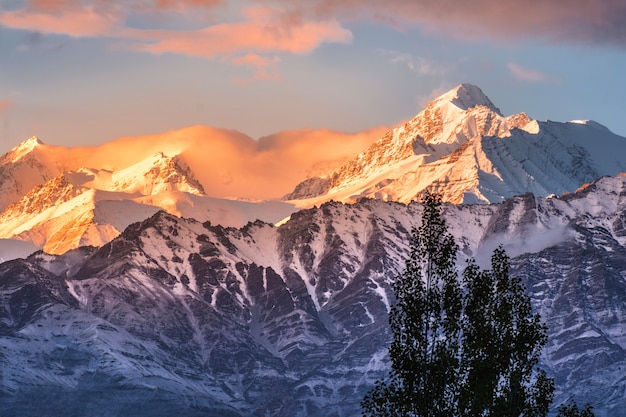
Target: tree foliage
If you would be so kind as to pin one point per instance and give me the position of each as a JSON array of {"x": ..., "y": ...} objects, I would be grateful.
[
  {"x": 571, "y": 410},
  {"x": 461, "y": 347}
]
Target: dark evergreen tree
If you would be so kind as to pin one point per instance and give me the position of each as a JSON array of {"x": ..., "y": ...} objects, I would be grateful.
[
  {"x": 460, "y": 352},
  {"x": 480, "y": 352},
  {"x": 425, "y": 322},
  {"x": 571, "y": 410},
  {"x": 501, "y": 344}
]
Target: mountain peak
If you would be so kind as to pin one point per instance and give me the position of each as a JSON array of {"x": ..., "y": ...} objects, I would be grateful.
[
  {"x": 24, "y": 148},
  {"x": 156, "y": 174},
  {"x": 462, "y": 146},
  {"x": 465, "y": 96},
  {"x": 32, "y": 141}
]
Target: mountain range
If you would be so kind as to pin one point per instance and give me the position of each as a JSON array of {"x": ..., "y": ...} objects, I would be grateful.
[
  {"x": 460, "y": 145},
  {"x": 145, "y": 301}
]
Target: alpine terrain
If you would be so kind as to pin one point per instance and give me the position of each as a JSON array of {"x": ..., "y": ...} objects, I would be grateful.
[
  {"x": 461, "y": 146},
  {"x": 152, "y": 298},
  {"x": 56, "y": 208}
]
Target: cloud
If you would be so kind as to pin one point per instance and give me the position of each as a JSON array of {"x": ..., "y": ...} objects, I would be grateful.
[
  {"x": 55, "y": 6},
  {"x": 265, "y": 67},
  {"x": 526, "y": 74},
  {"x": 562, "y": 21},
  {"x": 302, "y": 25},
  {"x": 231, "y": 164},
  {"x": 272, "y": 166},
  {"x": 424, "y": 100},
  {"x": 263, "y": 30},
  {"x": 65, "y": 18},
  {"x": 530, "y": 239},
  {"x": 253, "y": 38},
  {"x": 5, "y": 104},
  {"x": 417, "y": 64},
  {"x": 185, "y": 4}
]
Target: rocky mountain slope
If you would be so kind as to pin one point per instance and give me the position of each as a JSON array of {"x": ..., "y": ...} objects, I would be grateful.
[
  {"x": 463, "y": 147},
  {"x": 179, "y": 317}
]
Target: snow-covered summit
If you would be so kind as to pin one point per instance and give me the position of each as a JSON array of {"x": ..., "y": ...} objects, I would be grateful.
[
  {"x": 466, "y": 96},
  {"x": 25, "y": 147},
  {"x": 58, "y": 210},
  {"x": 29, "y": 164},
  {"x": 463, "y": 147},
  {"x": 591, "y": 123},
  {"x": 155, "y": 174}
]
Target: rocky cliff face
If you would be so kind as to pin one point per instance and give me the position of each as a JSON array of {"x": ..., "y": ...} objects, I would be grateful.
[{"x": 180, "y": 317}]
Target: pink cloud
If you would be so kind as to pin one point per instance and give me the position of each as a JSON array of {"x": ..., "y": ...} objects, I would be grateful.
[
  {"x": 527, "y": 74},
  {"x": 61, "y": 5},
  {"x": 253, "y": 40},
  {"x": 51, "y": 5},
  {"x": 52, "y": 18},
  {"x": 265, "y": 67},
  {"x": 229, "y": 163},
  {"x": 566, "y": 21},
  {"x": 89, "y": 18},
  {"x": 263, "y": 30},
  {"x": 302, "y": 25},
  {"x": 177, "y": 4}
]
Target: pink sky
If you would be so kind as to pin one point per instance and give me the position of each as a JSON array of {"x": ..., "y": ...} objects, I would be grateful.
[{"x": 88, "y": 71}]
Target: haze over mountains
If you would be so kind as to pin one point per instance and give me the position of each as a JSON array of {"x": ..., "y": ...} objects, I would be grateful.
[
  {"x": 460, "y": 145},
  {"x": 97, "y": 192}
]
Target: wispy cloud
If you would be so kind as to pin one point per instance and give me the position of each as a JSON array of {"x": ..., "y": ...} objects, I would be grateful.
[
  {"x": 65, "y": 18},
  {"x": 527, "y": 74},
  {"x": 424, "y": 100},
  {"x": 262, "y": 30},
  {"x": 417, "y": 64},
  {"x": 183, "y": 4},
  {"x": 265, "y": 67}
]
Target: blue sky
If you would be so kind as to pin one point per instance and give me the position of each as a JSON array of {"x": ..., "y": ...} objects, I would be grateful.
[{"x": 82, "y": 72}]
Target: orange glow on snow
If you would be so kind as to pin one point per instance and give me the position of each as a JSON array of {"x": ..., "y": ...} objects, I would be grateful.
[{"x": 230, "y": 164}]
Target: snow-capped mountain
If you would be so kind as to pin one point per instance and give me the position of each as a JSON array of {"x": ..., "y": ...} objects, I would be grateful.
[
  {"x": 179, "y": 317},
  {"x": 66, "y": 208},
  {"x": 27, "y": 165},
  {"x": 462, "y": 146}
]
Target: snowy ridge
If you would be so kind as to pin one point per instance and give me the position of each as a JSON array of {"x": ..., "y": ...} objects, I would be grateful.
[
  {"x": 156, "y": 174},
  {"x": 91, "y": 206},
  {"x": 461, "y": 146},
  {"x": 465, "y": 96}
]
